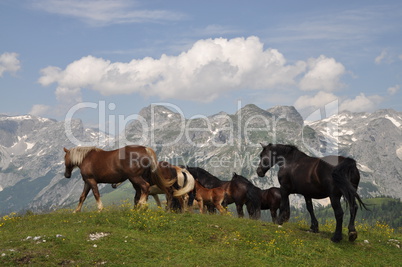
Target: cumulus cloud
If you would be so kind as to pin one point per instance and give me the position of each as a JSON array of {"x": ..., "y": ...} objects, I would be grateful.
[
  {"x": 361, "y": 103},
  {"x": 323, "y": 74},
  {"x": 39, "y": 110},
  {"x": 106, "y": 12},
  {"x": 208, "y": 69},
  {"x": 315, "y": 102},
  {"x": 9, "y": 63}
]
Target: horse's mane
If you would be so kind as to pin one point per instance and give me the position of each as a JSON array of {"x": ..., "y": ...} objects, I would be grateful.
[
  {"x": 287, "y": 149},
  {"x": 201, "y": 171},
  {"x": 77, "y": 154},
  {"x": 243, "y": 179}
]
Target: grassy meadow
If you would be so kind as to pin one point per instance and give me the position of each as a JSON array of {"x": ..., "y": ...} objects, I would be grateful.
[{"x": 120, "y": 235}]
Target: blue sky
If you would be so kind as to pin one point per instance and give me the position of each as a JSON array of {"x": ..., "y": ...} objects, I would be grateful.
[{"x": 201, "y": 56}]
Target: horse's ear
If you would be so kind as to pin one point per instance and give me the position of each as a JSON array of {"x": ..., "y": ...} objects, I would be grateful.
[
  {"x": 234, "y": 174},
  {"x": 65, "y": 149}
]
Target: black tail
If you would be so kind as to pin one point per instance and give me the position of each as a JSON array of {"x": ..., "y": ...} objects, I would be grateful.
[
  {"x": 344, "y": 176},
  {"x": 253, "y": 202}
]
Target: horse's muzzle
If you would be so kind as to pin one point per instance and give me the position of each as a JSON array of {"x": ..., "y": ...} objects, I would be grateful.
[
  {"x": 261, "y": 172},
  {"x": 67, "y": 175}
]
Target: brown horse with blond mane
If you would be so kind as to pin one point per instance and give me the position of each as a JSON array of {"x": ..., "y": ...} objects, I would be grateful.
[{"x": 138, "y": 164}]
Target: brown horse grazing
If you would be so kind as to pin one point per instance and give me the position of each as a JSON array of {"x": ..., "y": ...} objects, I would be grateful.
[
  {"x": 138, "y": 164},
  {"x": 331, "y": 176},
  {"x": 184, "y": 184},
  {"x": 239, "y": 190},
  {"x": 213, "y": 196},
  {"x": 271, "y": 199}
]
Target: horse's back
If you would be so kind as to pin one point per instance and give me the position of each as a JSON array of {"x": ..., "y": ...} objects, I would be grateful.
[
  {"x": 270, "y": 198},
  {"x": 205, "y": 178}
]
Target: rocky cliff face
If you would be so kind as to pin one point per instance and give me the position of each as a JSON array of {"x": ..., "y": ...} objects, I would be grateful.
[{"x": 32, "y": 159}]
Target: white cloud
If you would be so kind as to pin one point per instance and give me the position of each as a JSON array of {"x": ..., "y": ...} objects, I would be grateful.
[
  {"x": 361, "y": 103},
  {"x": 208, "y": 69},
  {"x": 381, "y": 57},
  {"x": 323, "y": 74},
  {"x": 314, "y": 102},
  {"x": 9, "y": 63},
  {"x": 106, "y": 12},
  {"x": 393, "y": 89},
  {"x": 39, "y": 110}
]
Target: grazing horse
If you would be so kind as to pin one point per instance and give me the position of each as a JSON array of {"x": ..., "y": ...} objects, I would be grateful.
[
  {"x": 239, "y": 191},
  {"x": 243, "y": 192},
  {"x": 183, "y": 186},
  {"x": 138, "y": 164},
  {"x": 331, "y": 176},
  {"x": 271, "y": 200},
  {"x": 214, "y": 196}
]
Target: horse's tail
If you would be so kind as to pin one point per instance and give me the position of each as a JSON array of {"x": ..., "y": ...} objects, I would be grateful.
[
  {"x": 253, "y": 201},
  {"x": 188, "y": 185},
  {"x": 343, "y": 175},
  {"x": 156, "y": 173}
]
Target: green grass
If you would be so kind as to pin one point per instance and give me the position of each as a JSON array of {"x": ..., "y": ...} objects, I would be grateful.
[{"x": 153, "y": 237}]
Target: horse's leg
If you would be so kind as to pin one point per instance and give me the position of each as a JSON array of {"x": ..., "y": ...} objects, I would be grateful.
[
  {"x": 83, "y": 196},
  {"x": 273, "y": 215},
  {"x": 200, "y": 205},
  {"x": 221, "y": 209},
  {"x": 169, "y": 200},
  {"x": 239, "y": 208},
  {"x": 95, "y": 191},
  {"x": 310, "y": 209},
  {"x": 336, "y": 205},
  {"x": 211, "y": 209},
  {"x": 137, "y": 194},
  {"x": 284, "y": 209},
  {"x": 158, "y": 202},
  {"x": 141, "y": 190},
  {"x": 185, "y": 202},
  {"x": 352, "y": 229}
]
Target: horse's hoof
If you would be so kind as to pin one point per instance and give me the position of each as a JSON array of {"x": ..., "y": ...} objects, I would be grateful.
[
  {"x": 313, "y": 231},
  {"x": 352, "y": 236},
  {"x": 336, "y": 239}
]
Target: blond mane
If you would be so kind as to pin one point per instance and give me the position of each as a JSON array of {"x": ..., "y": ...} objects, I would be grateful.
[{"x": 77, "y": 154}]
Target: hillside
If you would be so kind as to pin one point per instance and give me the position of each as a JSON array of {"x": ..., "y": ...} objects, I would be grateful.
[{"x": 122, "y": 236}]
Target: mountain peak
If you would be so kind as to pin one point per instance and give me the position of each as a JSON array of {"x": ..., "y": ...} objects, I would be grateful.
[
  {"x": 250, "y": 109},
  {"x": 287, "y": 112}
]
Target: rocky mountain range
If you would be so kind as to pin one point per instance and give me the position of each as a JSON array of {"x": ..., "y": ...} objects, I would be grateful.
[{"x": 32, "y": 158}]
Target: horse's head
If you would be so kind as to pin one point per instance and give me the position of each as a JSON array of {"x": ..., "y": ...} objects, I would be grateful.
[
  {"x": 69, "y": 165},
  {"x": 266, "y": 160}
]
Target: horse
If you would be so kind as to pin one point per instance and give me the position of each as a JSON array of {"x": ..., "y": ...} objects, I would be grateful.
[
  {"x": 207, "y": 180},
  {"x": 214, "y": 196},
  {"x": 239, "y": 191},
  {"x": 243, "y": 192},
  {"x": 312, "y": 177},
  {"x": 138, "y": 164},
  {"x": 271, "y": 199},
  {"x": 183, "y": 186}
]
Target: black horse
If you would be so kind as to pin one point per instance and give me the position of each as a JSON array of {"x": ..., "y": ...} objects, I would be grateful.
[
  {"x": 239, "y": 190},
  {"x": 271, "y": 200},
  {"x": 243, "y": 192},
  {"x": 331, "y": 176}
]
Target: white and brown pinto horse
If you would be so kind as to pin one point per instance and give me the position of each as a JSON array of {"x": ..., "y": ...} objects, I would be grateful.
[{"x": 184, "y": 184}]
